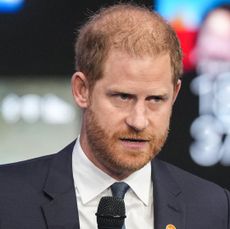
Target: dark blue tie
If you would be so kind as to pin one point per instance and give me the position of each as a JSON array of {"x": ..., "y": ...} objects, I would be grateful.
[{"x": 118, "y": 190}]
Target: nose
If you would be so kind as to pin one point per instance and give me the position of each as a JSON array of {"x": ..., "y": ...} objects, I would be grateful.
[{"x": 137, "y": 118}]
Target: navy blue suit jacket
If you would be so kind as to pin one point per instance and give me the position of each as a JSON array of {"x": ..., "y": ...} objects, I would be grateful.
[{"x": 40, "y": 194}]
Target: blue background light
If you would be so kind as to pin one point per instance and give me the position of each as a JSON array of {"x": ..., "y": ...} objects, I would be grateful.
[
  {"x": 10, "y": 6},
  {"x": 191, "y": 11}
]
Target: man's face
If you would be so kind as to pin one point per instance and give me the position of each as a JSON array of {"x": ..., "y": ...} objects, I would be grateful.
[{"x": 127, "y": 119}]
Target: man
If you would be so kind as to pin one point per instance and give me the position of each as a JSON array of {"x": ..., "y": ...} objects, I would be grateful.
[{"x": 128, "y": 77}]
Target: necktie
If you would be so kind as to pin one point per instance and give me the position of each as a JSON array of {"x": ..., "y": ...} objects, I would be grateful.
[{"x": 118, "y": 190}]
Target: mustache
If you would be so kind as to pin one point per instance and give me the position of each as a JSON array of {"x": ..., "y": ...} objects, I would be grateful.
[{"x": 131, "y": 135}]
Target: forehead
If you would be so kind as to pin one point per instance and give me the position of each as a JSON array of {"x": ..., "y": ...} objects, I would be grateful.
[
  {"x": 120, "y": 65},
  {"x": 137, "y": 75}
]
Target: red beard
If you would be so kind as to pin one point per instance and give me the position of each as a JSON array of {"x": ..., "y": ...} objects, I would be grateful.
[{"x": 111, "y": 154}]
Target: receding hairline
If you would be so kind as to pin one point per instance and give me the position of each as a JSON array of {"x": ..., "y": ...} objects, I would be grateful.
[{"x": 130, "y": 28}]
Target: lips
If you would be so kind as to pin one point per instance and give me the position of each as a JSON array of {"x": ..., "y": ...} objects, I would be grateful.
[
  {"x": 133, "y": 140},
  {"x": 135, "y": 144}
]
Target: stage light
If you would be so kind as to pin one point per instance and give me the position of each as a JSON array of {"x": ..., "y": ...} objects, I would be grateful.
[{"x": 10, "y": 6}]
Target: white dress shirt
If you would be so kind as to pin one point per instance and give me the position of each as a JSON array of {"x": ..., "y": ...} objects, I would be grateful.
[{"x": 91, "y": 184}]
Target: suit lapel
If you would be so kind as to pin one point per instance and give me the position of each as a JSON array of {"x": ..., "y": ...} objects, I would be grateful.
[
  {"x": 61, "y": 211},
  {"x": 168, "y": 199}
]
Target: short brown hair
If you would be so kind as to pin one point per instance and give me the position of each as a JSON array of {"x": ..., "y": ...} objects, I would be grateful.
[{"x": 133, "y": 29}]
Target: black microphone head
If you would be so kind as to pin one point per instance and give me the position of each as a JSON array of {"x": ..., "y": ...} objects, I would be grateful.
[{"x": 110, "y": 213}]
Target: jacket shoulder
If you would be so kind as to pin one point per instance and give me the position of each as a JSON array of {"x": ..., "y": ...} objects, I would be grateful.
[
  {"x": 15, "y": 175},
  {"x": 188, "y": 180},
  {"x": 194, "y": 188},
  {"x": 33, "y": 171}
]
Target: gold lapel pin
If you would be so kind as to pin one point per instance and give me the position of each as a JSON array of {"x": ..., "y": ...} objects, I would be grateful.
[{"x": 170, "y": 226}]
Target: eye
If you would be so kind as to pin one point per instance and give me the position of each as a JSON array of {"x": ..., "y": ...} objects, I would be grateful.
[
  {"x": 121, "y": 99},
  {"x": 156, "y": 98},
  {"x": 123, "y": 96}
]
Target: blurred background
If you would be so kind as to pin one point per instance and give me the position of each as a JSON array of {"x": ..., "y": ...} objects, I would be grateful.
[{"x": 37, "y": 112}]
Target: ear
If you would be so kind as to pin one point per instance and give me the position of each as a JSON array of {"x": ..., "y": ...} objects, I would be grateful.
[
  {"x": 176, "y": 90},
  {"x": 80, "y": 89}
]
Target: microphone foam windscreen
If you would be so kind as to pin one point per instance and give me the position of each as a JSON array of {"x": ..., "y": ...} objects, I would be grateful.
[{"x": 110, "y": 213}]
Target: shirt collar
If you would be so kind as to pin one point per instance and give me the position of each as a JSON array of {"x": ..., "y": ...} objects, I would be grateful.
[
  {"x": 141, "y": 184},
  {"x": 90, "y": 181}
]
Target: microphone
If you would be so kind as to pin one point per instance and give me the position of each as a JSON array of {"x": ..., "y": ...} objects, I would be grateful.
[{"x": 110, "y": 213}]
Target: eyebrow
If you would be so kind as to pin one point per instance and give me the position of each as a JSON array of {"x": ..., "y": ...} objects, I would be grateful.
[{"x": 120, "y": 91}]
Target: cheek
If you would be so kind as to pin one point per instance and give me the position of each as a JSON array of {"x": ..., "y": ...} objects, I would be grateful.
[
  {"x": 107, "y": 118},
  {"x": 161, "y": 119},
  {"x": 107, "y": 115}
]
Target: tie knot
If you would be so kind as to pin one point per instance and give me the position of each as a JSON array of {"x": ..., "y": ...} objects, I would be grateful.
[{"x": 119, "y": 189}]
